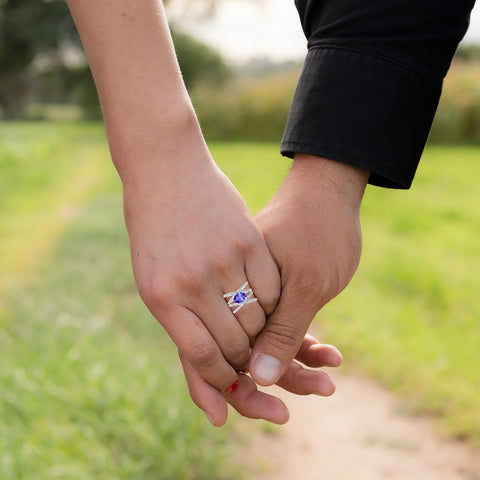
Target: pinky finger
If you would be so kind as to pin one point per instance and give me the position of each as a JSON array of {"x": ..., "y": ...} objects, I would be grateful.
[
  {"x": 315, "y": 354},
  {"x": 251, "y": 403},
  {"x": 205, "y": 397},
  {"x": 302, "y": 381}
]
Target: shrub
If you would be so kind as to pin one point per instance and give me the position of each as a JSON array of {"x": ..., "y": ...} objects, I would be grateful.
[
  {"x": 247, "y": 109},
  {"x": 458, "y": 114},
  {"x": 256, "y": 108}
]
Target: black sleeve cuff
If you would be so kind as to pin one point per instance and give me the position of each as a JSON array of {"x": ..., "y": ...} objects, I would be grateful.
[{"x": 364, "y": 110}]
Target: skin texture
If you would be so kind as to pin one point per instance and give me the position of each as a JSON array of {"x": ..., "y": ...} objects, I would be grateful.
[
  {"x": 192, "y": 237},
  {"x": 316, "y": 242}
]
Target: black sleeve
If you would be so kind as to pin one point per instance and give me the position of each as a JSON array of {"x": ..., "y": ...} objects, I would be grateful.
[{"x": 371, "y": 81}]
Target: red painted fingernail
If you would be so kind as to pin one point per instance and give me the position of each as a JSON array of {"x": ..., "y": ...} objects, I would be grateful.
[{"x": 233, "y": 387}]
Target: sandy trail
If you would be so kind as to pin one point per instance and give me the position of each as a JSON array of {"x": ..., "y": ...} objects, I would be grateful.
[{"x": 360, "y": 433}]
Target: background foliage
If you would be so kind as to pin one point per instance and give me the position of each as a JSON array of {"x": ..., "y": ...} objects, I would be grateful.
[
  {"x": 29, "y": 28},
  {"x": 42, "y": 61},
  {"x": 251, "y": 102},
  {"x": 458, "y": 115}
]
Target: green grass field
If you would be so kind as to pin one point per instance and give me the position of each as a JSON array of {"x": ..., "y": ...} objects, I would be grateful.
[
  {"x": 90, "y": 386},
  {"x": 411, "y": 316}
]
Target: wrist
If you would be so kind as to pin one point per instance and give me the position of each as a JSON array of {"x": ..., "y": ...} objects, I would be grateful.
[
  {"x": 142, "y": 133},
  {"x": 156, "y": 151},
  {"x": 329, "y": 177}
]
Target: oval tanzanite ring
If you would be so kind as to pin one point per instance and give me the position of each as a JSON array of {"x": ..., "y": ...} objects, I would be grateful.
[{"x": 240, "y": 297}]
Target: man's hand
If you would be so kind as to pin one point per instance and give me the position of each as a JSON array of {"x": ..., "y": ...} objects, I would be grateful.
[{"x": 312, "y": 229}]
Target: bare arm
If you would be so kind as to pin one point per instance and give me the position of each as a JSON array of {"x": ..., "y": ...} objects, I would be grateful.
[
  {"x": 143, "y": 97},
  {"x": 192, "y": 237}
]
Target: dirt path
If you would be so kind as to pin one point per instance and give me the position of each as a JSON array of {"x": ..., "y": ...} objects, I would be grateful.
[{"x": 361, "y": 433}]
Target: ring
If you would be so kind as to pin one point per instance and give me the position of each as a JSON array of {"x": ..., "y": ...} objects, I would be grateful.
[{"x": 240, "y": 297}]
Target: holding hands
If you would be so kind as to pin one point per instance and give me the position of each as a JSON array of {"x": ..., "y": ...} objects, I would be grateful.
[
  {"x": 312, "y": 229},
  {"x": 193, "y": 239}
]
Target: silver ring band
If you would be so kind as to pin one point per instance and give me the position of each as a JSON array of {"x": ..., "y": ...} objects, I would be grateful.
[{"x": 240, "y": 297}]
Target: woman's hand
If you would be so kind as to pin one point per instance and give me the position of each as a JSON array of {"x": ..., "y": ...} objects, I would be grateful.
[
  {"x": 192, "y": 240},
  {"x": 192, "y": 237}
]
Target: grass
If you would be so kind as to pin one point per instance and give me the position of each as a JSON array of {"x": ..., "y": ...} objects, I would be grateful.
[
  {"x": 90, "y": 387},
  {"x": 411, "y": 315}
]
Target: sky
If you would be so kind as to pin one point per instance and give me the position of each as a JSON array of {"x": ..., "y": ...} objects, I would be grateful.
[{"x": 243, "y": 29}]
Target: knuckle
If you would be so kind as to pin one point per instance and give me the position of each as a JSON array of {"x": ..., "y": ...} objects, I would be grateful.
[
  {"x": 255, "y": 325},
  {"x": 269, "y": 301},
  {"x": 203, "y": 356},
  {"x": 310, "y": 281},
  {"x": 222, "y": 263},
  {"x": 312, "y": 284},
  {"x": 247, "y": 242},
  {"x": 192, "y": 278},
  {"x": 155, "y": 292},
  {"x": 236, "y": 353},
  {"x": 283, "y": 336}
]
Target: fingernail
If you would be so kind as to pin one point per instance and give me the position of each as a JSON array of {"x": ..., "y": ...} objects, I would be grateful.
[
  {"x": 232, "y": 387},
  {"x": 266, "y": 368}
]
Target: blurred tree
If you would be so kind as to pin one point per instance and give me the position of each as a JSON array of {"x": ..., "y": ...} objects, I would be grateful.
[
  {"x": 28, "y": 28},
  {"x": 199, "y": 63},
  {"x": 468, "y": 52},
  {"x": 41, "y": 33}
]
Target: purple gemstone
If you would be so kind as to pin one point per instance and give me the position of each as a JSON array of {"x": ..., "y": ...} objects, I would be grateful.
[{"x": 240, "y": 297}]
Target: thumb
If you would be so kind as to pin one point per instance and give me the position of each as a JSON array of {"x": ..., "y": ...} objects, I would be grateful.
[{"x": 278, "y": 343}]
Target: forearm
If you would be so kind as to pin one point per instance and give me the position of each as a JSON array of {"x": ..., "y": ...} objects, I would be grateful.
[{"x": 144, "y": 101}]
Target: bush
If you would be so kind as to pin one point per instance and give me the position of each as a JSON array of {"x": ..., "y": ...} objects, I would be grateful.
[
  {"x": 249, "y": 109},
  {"x": 199, "y": 62},
  {"x": 458, "y": 114},
  {"x": 256, "y": 108}
]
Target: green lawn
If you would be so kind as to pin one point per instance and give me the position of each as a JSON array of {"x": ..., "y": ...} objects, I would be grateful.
[
  {"x": 90, "y": 386},
  {"x": 411, "y": 316}
]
